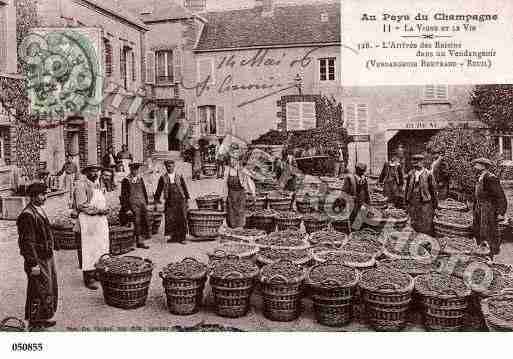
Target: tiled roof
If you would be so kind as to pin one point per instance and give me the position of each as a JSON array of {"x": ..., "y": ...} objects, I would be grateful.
[
  {"x": 285, "y": 26},
  {"x": 157, "y": 10},
  {"x": 113, "y": 7}
]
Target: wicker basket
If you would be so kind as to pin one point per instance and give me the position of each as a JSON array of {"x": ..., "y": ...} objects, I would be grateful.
[
  {"x": 230, "y": 235},
  {"x": 281, "y": 296},
  {"x": 442, "y": 312},
  {"x": 280, "y": 203},
  {"x": 246, "y": 251},
  {"x": 263, "y": 222},
  {"x": 449, "y": 229},
  {"x": 343, "y": 225},
  {"x": 263, "y": 260},
  {"x": 209, "y": 203},
  {"x": 125, "y": 290},
  {"x": 387, "y": 306},
  {"x": 209, "y": 169},
  {"x": 204, "y": 225},
  {"x": 284, "y": 222},
  {"x": 259, "y": 203},
  {"x": 121, "y": 240},
  {"x": 12, "y": 324},
  {"x": 64, "y": 237},
  {"x": 367, "y": 261},
  {"x": 307, "y": 204},
  {"x": 184, "y": 293},
  {"x": 332, "y": 300},
  {"x": 313, "y": 224},
  {"x": 494, "y": 323},
  {"x": 232, "y": 293}
]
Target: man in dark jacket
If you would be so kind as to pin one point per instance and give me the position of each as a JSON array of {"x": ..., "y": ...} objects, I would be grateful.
[
  {"x": 392, "y": 179},
  {"x": 490, "y": 205},
  {"x": 440, "y": 173},
  {"x": 420, "y": 197},
  {"x": 35, "y": 240},
  {"x": 356, "y": 186},
  {"x": 134, "y": 204},
  {"x": 176, "y": 196}
]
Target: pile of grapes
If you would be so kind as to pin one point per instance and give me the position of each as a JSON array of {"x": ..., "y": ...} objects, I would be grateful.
[
  {"x": 405, "y": 246},
  {"x": 236, "y": 249},
  {"x": 384, "y": 278},
  {"x": 348, "y": 258},
  {"x": 265, "y": 213},
  {"x": 290, "y": 271},
  {"x": 335, "y": 239},
  {"x": 289, "y": 215},
  {"x": 410, "y": 266},
  {"x": 286, "y": 238},
  {"x": 293, "y": 255},
  {"x": 363, "y": 242},
  {"x": 501, "y": 307},
  {"x": 435, "y": 284},
  {"x": 339, "y": 273},
  {"x": 244, "y": 267},
  {"x": 124, "y": 265},
  {"x": 459, "y": 264},
  {"x": 187, "y": 268}
]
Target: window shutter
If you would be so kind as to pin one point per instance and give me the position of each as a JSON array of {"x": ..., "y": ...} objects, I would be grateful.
[
  {"x": 150, "y": 67},
  {"x": 308, "y": 115},
  {"x": 134, "y": 75},
  {"x": 221, "y": 127},
  {"x": 177, "y": 65},
  {"x": 350, "y": 118},
  {"x": 362, "y": 119},
  {"x": 293, "y": 116},
  {"x": 441, "y": 92},
  {"x": 429, "y": 92},
  {"x": 195, "y": 126}
]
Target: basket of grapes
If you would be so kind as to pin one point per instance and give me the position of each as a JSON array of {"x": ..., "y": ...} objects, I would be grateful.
[
  {"x": 307, "y": 203},
  {"x": 239, "y": 250},
  {"x": 407, "y": 245},
  {"x": 332, "y": 286},
  {"x": 264, "y": 220},
  {"x": 288, "y": 220},
  {"x": 498, "y": 312},
  {"x": 330, "y": 239},
  {"x": 444, "y": 299},
  {"x": 364, "y": 242},
  {"x": 209, "y": 202},
  {"x": 257, "y": 203},
  {"x": 316, "y": 222},
  {"x": 183, "y": 284},
  {"x": 280, "y": 200},
  {"x": 232, "y": 280},
  {"x": 62, "y": 223},
  {"x": 244, "y": 235},
  {"x": 413, "y": 267},
  {"x": 351, "y": 259},
  {"x": 287, "y": 239},
  {"x": 453, "y": 205},
  {"x": 271, "y": 255},
  {"x": 387, "y": 295},
  {"x": 457, "y": 245},
  {"x": 125, "y": 280},
  {"x": 280, "y": 284},
  {"x": 453, "y": 223},
  {"x": 391, "y": 217}
]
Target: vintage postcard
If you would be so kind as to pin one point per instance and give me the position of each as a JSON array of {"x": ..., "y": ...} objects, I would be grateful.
[{"x": 255, "y": 166}]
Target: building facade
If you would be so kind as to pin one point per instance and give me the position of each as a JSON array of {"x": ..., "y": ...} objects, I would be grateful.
[{"x": 119, "y": 39}]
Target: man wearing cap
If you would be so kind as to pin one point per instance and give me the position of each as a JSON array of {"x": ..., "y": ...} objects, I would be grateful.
[
  {"x": 70, "y": 171},
  {"x": 196, "y": 162},
  {"x": 107, "y": 180},
  {"x": 490, "y": 205},
  {"x": 176, "y": 196},
  {"x": 134, "y": 203},
  {"x": 91, "y": 206},
  {"x": 440, "y": 173},
  {"x": 357, "y": 186},
  {"x": 36, "y": 243},
  {"x": 420, "y": 197}
]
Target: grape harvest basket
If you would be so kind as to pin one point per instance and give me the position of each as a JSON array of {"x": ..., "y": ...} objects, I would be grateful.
[
  {"x": 244, "y": 235},
  {"x": 316, "y": 222},
  {"x": 327, "y": 238},
  {"x": 121, "y": 240},
  {"x": 444, "y": 300},
  {"x": 280, "y": 284},
  {"x": 239, "y": 250},
  {"x": 342, "y": 225},
  {"x": 125, "y": 280},
  {"x": 259, "y": 203},
  {"x": 264, "y": 220},
  {"x": 204, "y": 225},
  {"x": 306, "y": 204},
  {"x": 232, "y": 281},
  {"x": 280, "y": 203},
  {"x": 64, "y": 237},
  {"x": 498, "y": 312},
  {"x": 268, "y": 256},
  {"x": 183, "y": 284},
  {"x": 209, "y": 169},
  {"x": 350, "y": 259},
  {"x": 387, "y": 295},
  {"x": 209, "y": 202},
  {"x": 333, "y": 288},
  {"x": 288, "y": 220}
]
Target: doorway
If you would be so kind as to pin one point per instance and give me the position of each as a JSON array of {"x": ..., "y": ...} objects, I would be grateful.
[{"x": 407, "y": 143}]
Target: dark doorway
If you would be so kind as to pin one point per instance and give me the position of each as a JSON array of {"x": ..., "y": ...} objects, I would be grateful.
[
  {"x": 173, "y": 140},
  {"x": 409, "y": 143}
]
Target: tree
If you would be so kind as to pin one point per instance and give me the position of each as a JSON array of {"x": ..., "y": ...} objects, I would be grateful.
[
  {"x": 493, "y": 105},
  {"x": 461, "y": 146}
]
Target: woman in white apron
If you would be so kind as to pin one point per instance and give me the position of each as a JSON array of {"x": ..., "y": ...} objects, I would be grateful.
[{"x": 94, "y": 228}]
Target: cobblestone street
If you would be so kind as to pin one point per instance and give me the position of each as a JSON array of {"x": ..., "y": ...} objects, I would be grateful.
[{"x": 82, "y": 309}]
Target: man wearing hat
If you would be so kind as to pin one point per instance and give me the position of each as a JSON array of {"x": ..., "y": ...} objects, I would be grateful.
[
  {"x": 36, "y": 243},
  {"x": 490, "y": 205},
  {"x": 107, "y": 180},
  {"x": 134, "y": 202},
  {"x": 91, "y": 206},
  {"x": 196, "y": 161},
  {"x": 176, "y": 196},
  {"x": 440, "y": 173},
  {"x": 392, "y": 179},
  {"x": 356, "y": 186},
  {"x": 420, "y": 197},
  {"x": 70, "y": 171}
]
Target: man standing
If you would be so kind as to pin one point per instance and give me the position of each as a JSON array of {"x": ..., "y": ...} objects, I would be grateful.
[
  {"x": 109, "y": 160},
  {"x": 356, "y": 185},
  {"x": 91, "y": 206},
  {"x": 134, "y": 203},
  {"x": 107, "y": 180},
  {"x": 339, "y": 161},
  {"x": 196, "y": 162},
  {"x": 490, "y": 205},
  {"x": 392, "y": 179},
  {"x": 176, "y": 197},
  {"x": 35, "y": 240},
  {"x": 220, "y": 161},
  {"x": 125, "y": 157},
  {"x": 70, "y": 171},
  {"x": 440, "y": 173},
  {"x": 421, "y": 197}
]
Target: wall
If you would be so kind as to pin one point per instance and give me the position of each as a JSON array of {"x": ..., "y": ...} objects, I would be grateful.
[
  {"x": 270, "y": 71},
  {"x": 8, "y": 53}
]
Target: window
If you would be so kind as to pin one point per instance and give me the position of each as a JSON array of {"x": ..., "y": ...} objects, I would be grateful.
[
  {"x": 327, "y": 69},
  {"x": 4, "y": 132},
  {"x": 3, "y": 37},
  {"x": 356, "y": 119},
  {"x": 164, "y": 66},
  {"x": 107, "y": 49},
  {"x": 134, "y": 77},
  {"x": 124, "y": 65},
  {"x": 300, "y": 115},
  {"x": 206, "y": 69},
  {"x": 436, "y": 92},
  {"x": 207, "y": 119},
  {"x": 504, "y": 145},
  {"x": 195, "y": 5}
]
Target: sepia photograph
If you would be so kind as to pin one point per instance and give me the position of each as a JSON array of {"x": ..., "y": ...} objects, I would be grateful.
[{"x": 200, "y": 166}]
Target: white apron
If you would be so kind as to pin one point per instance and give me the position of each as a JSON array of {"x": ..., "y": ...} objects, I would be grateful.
[{"x": 94, "y": 232}]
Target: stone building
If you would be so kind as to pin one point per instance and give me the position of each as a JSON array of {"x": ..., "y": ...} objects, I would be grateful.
[{"x": 119, "y": 39}]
